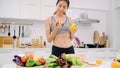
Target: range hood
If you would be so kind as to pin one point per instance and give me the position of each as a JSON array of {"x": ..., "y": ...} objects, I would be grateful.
[
  {"x": 84, "y": 19},
  {"x": 80, "y": 20}
]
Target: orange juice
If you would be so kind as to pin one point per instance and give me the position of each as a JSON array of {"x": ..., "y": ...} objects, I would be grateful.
[
  {"x": 98, "y": 61},
  {"x": 115, "y": 65}
]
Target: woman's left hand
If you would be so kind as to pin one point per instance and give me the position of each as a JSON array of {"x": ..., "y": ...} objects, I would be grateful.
[{"x": 73, "y": 28}]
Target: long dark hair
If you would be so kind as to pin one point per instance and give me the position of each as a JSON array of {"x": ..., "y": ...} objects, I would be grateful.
[{"x": 67, "y": 1}]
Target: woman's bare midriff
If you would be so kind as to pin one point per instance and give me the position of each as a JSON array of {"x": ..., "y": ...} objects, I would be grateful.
[{"x": 62, "y": 40}]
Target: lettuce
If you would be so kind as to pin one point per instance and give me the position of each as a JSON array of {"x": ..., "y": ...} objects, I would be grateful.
[{"x": 75, "y": 60}]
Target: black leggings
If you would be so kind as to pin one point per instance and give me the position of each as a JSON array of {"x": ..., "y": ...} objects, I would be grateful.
[{"x": 57, "y": 51}]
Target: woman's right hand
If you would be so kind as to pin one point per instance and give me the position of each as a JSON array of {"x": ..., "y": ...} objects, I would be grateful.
[{"x": 57, "y": 25}]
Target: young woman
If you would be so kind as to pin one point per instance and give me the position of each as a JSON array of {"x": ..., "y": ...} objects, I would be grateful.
[{"x": 57, "y": 30}]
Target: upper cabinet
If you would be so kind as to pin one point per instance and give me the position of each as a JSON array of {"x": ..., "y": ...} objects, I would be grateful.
[
  {"x": 90, "y": 4},
  {"x": 20, "y": 9},
  {"x": 47, "y": 8},
  {"x": 116, "y": 3},
  {"x": 41, "y": 9},
  {"x": 30, "y": 9},
  {"x": 9, "y": 8}
]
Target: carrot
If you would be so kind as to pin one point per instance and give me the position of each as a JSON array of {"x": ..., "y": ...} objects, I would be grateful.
[
  {"x": 31, "y": 55},
  {"x": 57, "y": 23}
]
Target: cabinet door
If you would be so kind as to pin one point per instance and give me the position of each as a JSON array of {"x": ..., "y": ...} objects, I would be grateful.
[
  {"x": 30, "y": 9},
  {"x": 1, "y": 42},
  {"x": 48, "y": 8},
  {"x": 9, "y": 8},
  {"x": 116, "y": 3}
]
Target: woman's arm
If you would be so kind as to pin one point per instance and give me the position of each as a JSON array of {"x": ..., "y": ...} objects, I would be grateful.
[
  {"x": 50, "y": 35},
  {"x": 71, "y": 32}
]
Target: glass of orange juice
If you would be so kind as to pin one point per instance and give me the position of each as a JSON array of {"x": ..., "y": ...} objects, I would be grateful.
[{"x": 99, "y": 61}]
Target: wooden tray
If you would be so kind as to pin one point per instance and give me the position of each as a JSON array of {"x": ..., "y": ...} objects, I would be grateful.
[{"x": 43, "y": 66}]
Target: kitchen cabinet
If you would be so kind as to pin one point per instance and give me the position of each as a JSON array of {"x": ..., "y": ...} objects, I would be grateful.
[
  {"x": 20, "y": 9},
  {"x": 115, "y": 21},
  {"x": 41, "y": 9},
  {"x": 116, "y": 3},
  {"x": 7, "y": 42},
  {"x": 47, "y": 8},
  {"x": 30, "y": 9},
  {"x": 9, "y": 8},
  {"x": 90, "y": 4}
]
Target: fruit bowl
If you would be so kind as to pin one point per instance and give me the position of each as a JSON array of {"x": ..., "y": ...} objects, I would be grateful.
[
  {"x": 29, "y": 61},
  {"x": 43, "y": 66}
]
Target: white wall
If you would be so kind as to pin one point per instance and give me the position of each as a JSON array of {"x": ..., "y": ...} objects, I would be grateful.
[
  {"x": 116, "y": 28},
  {"x": 115, "y": 19},
  {"x": 85, "y": 31}
]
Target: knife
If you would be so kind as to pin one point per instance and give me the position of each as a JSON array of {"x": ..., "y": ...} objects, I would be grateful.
[
  {"x": 22, "y": 31},
  {"x": 9, "y": 30},
  {"x": 19, "y": 30}
]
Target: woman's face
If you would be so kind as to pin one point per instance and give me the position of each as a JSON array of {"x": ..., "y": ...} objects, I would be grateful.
[{"x": 62, "y": 7}]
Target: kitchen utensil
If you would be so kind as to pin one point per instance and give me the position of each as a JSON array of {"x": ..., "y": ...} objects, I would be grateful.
[
  {"x": 19, "y": 30},
  {"x": 9, "y": 31},
  {"x": 14, "y": 37},
  {"x": 22, "y": 31},
  {"x": 96, "y": 37},
  {"x": 14, "y": 40},
  {"x": 91, "y": 45}
]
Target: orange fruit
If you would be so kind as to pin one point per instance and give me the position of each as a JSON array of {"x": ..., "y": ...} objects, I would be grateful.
[
  {"x": 98, "y": 61},
  {"x": 24, "y": 58}
]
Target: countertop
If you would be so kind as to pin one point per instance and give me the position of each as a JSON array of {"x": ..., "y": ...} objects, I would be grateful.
[
  {"x": 92, "y": 54},
  {"x": 49, "y": 49},
  {"x": 106, "y": 64}
]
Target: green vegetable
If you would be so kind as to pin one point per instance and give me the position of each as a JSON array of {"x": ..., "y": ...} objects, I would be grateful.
[
  {"x": 37, "y": 64},
  {"x": 51, "y": 62},
  {"x": 53, "y": 56},
  {"x": 30, "y": 62},
  {"x": 75, "y": 61}
]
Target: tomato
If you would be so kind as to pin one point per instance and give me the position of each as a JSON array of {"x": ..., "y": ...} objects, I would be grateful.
[
  {"x": 24, "y": 58},
  {"x": 42, "y": 61}
]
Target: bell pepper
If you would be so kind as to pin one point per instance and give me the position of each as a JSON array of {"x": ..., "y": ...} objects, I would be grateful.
[
  {"x": 37, "y": 63},
  {"x": 30, "y": 62},
  {"x": 73, "y": 27}
]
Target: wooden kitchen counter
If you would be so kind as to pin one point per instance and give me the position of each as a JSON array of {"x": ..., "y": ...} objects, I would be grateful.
[{"x": 6, "y": 41}]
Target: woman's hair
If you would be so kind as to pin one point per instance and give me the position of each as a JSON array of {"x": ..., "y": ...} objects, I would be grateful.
[{"x": 67, "y": 1}]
